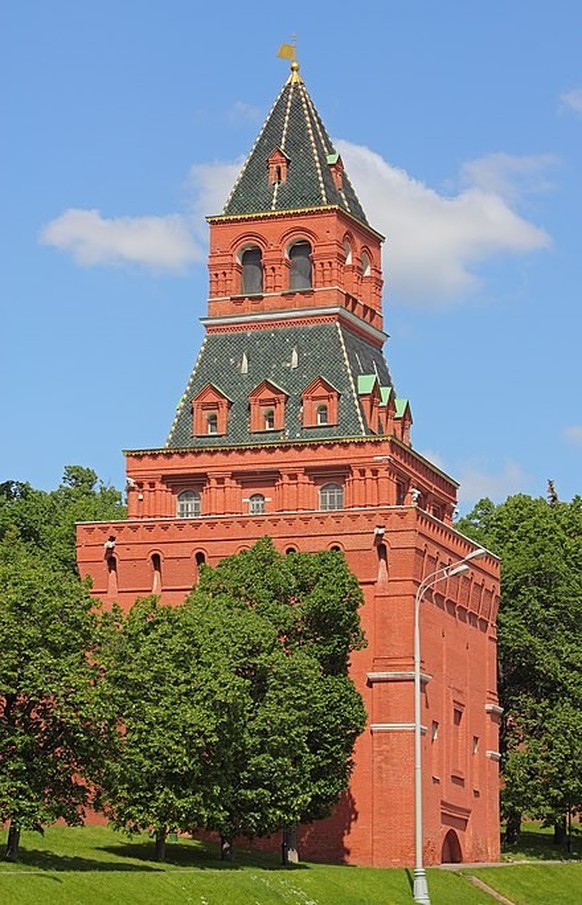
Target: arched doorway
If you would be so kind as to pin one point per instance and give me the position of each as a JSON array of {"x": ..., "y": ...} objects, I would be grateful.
[{"x": 451, "y": 852}]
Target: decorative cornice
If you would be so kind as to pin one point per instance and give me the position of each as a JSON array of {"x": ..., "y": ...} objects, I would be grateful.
[
  {"x": 295, "y": 212},
  {"x": 308, "y": 441},
  {"x": 292, "y": 315}
]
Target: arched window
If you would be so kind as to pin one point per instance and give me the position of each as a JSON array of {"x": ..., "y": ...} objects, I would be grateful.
[
  {"x": 269, "y": 419},
  {"x": 188, "y": 504},
  {"x": 366, "y": 268},
  {"x": 252, "y": 271},
  {"x": 157, "y": 576},
  {"x": 300, "y": 271},
  {"x": 257, "y": 504},
  {"x": 322, "y": 414},
  {"x": 331, "y": 496},
  {"x": 200, "y": 559},
  {"x": 348, "y": 252},
  {"x": 212, "y": 423},
  {"x": 290, "y": 550}
]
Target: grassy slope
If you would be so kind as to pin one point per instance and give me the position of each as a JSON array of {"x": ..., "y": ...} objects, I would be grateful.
[
  {"x": 95, "y": 866},
  {"x": 536, "y": 884}
]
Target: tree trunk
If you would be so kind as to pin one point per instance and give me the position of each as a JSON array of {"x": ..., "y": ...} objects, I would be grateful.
[
  {"x": 513, "y": 828},
  {"x": 226, "y": 848},
  {"x": 560, "y": 831},
  {"x": 161, "y": 833},
  {"x": 289, "y": 851},
  {"x": 13, "y": 846}
]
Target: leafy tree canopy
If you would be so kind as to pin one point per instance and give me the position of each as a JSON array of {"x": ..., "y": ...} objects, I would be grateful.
[
  {"x": 540, "y": 647},
  {"x": 46, "y": 520},
  {"x": 52, "y": 725},
  {"x": 235, "y": 709}
]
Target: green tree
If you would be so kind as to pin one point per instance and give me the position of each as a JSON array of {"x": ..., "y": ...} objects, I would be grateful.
[
  {"x": 176, "y": 708},
  {"x": 292, "y": 758},
  {"x": 235, "y": 712},
  {"x": 540, "y": 651},
  {"x": 52, "y": 726},
  {"x": 46, "y": 520}
]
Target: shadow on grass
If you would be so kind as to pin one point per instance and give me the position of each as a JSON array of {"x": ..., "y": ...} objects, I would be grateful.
[
  {"x": 409, "y": 877},
  {"x": 539, "y": 846},
  {"x": 199, "y": 857},
  {"x": 41, "y": 859}
]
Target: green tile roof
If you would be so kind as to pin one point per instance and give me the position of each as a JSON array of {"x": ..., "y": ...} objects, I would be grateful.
[
  {"x": 366, "y": 383},
  {"x": 323, "y": 350},
  {"x": 295, "y": 127},
  {"x": 401, "y": 406},
  {"x": 385, "y": 395}
]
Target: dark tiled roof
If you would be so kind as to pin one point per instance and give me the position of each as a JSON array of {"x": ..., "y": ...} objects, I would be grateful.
[
  {"x": 323, "y": 350},
  {"x": 295, "y": 127}
]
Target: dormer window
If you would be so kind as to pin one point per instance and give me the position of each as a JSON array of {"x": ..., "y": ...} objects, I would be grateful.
[
  {"x": 278, "y": 164},
  {"x": 210, "y": 412},
  {"x": 300, "y": 271},
  {"x": 267, "y": 404},
  {"x": 320, "y": 404},
  {"x": 336, "y": 168},
  {"x": 252, "y": 271}
]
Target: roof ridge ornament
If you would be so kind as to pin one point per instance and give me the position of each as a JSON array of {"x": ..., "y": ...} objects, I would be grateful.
[{"x": 289, "y": 52}]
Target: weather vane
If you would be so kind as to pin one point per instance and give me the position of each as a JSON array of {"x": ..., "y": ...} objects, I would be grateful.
[{"x": 289, "y": 52}]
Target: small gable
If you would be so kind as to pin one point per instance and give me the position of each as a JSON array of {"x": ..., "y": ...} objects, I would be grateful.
[
  {"x": 370, "y": 397},
  {"x": 403, "y": 420},
  {"x": 278, "y": 164},
  {"x": 336, "y": 168},
  {"x": 267, "y": 404},
  {"x": 386, "y": 411},
  {"x": 320, "y": 403},
  {"x": 210, "y": 412}
]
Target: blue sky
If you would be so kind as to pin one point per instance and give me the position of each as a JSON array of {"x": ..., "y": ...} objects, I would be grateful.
[{"x": 460, "y": 125}]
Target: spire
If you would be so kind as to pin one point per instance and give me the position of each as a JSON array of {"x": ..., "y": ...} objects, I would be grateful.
[{"x": 309, "y": 173}]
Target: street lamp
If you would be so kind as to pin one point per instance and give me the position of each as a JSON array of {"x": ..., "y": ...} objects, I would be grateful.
[{"x": 420, "y": 890}]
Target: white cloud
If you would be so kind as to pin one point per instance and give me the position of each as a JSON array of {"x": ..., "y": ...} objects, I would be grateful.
[
  {"x": 211, "y": 184},
  {"x": 573, "y": 434},
  {"x": 476, "y": 484},
  {"x": 434, "y": 457},
  {"x": 164, "y": 243},
  {"x": 572, "y": 100},
  {"x": 243, "y": 112},
  {"x": 435, "y": 239},
  {"x": 508, "y": 176}
]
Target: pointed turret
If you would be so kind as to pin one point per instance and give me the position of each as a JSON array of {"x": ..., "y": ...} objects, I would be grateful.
[
  {"x": 294, "y": 315},
  {"x": 293, "y": 164}
]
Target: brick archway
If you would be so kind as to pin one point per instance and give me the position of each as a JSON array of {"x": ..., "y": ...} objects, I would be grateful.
[{"x": 451, "y": 851}]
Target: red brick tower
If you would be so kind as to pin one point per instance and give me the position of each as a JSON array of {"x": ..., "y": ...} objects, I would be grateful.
[{"x": 290, "y": 427}]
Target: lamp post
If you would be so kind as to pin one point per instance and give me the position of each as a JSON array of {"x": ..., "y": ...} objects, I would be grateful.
[{"x": 420, "y": 890}]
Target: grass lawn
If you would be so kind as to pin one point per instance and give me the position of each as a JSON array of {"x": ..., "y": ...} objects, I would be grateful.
[
  {"x": 536, "y": 843},
  {"x": 536, "y": 884},
  {"x": 96, "y": 866}
]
